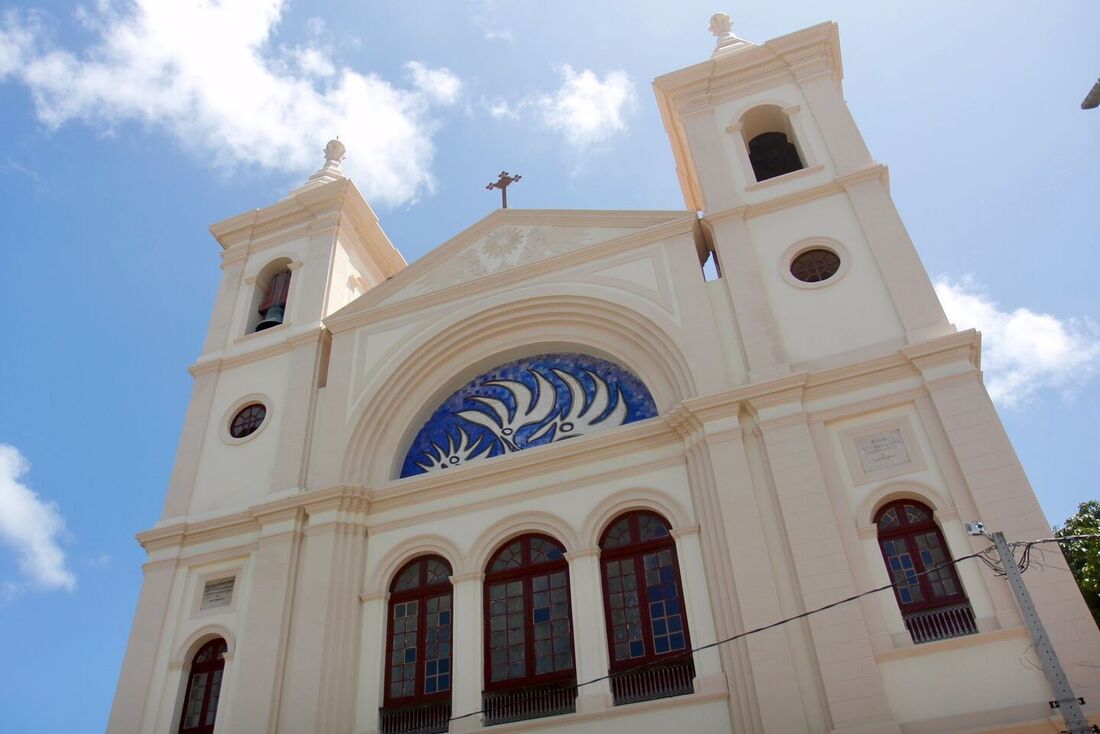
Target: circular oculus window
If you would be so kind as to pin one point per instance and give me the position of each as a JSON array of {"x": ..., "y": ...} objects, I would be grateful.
[
  {"x": 247, "y": 420},
  {"x": 815, "y": 265}
]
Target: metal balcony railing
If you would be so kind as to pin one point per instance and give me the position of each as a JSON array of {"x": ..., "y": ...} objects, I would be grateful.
[
  {"x": 529, "y": 702},
  {"x": 653, "y": 681},
  {"x": 941, "y": 623},
  {"x": 424, "y": 718}
]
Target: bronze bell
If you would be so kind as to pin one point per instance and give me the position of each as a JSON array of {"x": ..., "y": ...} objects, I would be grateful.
[{"x": 271, "y": 317}]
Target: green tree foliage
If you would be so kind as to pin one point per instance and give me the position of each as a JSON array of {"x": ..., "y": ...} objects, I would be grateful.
[{"x": 1083, "y": 556}]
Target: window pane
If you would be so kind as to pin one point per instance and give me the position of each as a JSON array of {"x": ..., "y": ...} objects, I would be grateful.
[
  {"x": 215, "y": 693},
  {"x": 916, "y": 514},
  {"x": 403, "y": 669},
  {"x": 506, "y": 639},
  {"x": 619, "y": 534},
  {"x": 550, "y": 624},
  {"x": 663, "y": 594},
  {"x": 902, "y": 571},
  {"x": 889, "y": 519},
  {"x": 409, "y": 578},
  {"x": 651, "y": 527},
  {"x": 543, "y": 550},
  {"x": 193, "y": 710},
  {"x": 932, "y": 554},
  {"x": 437, "y": 653},
  {"x": 510, "y": 557},
  {"x": 626, "y": 629},
  {"x": 437, "y": 572}
]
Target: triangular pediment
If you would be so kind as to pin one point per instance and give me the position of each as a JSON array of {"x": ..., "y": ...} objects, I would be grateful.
[{"x": 507, "y": 239}]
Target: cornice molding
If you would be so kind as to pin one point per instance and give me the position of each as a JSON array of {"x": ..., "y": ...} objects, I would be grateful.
[{"x": 306, "y": 334}]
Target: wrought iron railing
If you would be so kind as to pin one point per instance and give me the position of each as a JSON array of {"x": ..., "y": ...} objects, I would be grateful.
[
  {"x": 424, "y": 718},
  {"x": 941, "y": 623},
  {"x": 653, "y": 681},
  {"x": 529, "y": 702}
]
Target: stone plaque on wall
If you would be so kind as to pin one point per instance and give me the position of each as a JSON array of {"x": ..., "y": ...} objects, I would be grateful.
[
  {"x": 882, "y": 450},
  {"x": 217, "y": 594}
]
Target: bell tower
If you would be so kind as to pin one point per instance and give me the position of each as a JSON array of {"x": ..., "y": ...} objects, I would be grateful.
[
  {"x": 817, "y": 263},
  {"x": 285, "y": 268}
]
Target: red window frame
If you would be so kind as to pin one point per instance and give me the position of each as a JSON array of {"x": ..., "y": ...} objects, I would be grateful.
[
  {"x": 214, "y": 663},
  {"x": 635, "y": 552},
  {"x": 525, "y": 573},
  {"x": 907, "y": 533},
  {"x": 421, "y": 594}
]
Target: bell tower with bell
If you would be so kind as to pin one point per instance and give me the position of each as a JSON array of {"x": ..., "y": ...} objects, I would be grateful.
[
  {"x": 817, "y": 263},
  {"x": 285, "y": 267}
]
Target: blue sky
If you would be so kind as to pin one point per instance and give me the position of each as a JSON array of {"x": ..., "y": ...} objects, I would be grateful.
[{"x": 127, "y": 130}]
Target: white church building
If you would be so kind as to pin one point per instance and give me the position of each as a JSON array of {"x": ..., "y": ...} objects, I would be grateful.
[{"x": 529, "y": 481}]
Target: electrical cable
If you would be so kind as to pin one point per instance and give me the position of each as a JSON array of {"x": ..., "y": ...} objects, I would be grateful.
[{"x": 982, "y": 555}]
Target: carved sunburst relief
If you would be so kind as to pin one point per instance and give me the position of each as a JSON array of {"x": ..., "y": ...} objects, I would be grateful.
[{"x": 528, "y": 402}]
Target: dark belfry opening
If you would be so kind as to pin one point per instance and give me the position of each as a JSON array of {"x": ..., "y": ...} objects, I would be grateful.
[
  {"x": 771, "y": 155},
  {"x": 273, "y": 306}
]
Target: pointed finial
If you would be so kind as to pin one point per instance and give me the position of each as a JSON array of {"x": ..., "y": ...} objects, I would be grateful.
[
  {"x": 334, "y": 153},
  {"x": 720, "y": 27}
]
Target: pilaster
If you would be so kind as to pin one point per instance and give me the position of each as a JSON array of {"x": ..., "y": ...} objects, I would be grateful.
[
  {"x": 372, "y": 656},
  {"x": 589, "y": 631},
  {"x": 902, "y": 271},
  {"x": 468, "y": 647},
  {"x": 715, "y": 552},
  {"x": 853, "y": 685},
  {"x": 320, "y": 684},
  {"x": 181, "y": 485},
  {"x": 221, "y": 319},
  {"x": 825, "y": 99},
  {"x": 262, "y": 646},
  {"x": 138, "y": 672},
  {"x": 756, "y": 323},
  {"x": 289, "y": 471}
]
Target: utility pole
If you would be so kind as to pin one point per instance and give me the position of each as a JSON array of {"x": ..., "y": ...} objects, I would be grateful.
[{"x": 1064, "y": 699}]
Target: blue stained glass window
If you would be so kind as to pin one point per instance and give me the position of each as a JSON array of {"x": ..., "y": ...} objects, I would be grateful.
[{"x": 528, "y": 402}]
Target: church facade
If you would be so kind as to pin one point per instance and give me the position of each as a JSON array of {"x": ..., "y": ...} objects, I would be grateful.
[{"x": 533, "y": 481}]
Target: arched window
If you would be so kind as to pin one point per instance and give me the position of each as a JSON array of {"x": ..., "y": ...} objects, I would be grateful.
[
  {"x": 418, "y": 656},
  {"x": 647, "y": 630},
  {"x": 770, "y": 139},
  {"x": 929, "y": 593},
  {"x": 204, "y": 686},
  {"x": 528, "y": 632}
]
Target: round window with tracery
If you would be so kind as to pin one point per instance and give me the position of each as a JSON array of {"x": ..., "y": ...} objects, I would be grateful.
[
  {"x": 247, "y": 420},
  {"x": 816, "y": 265}
]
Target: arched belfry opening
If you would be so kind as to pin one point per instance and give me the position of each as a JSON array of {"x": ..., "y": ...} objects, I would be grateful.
[
  {"x": 771, "y": 142},
  {"x": 525, "y": 403},
  {"x": 270, "y": 296}
]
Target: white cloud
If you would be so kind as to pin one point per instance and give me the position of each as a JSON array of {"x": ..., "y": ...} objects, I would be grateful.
[
  {"x": 586, "y": 110},
  {"x": 499, "y": 108},
  {"x": 1023, "y": 352},
  {"x": 440, "y": 85},
  {"x": 210, "y": 74},
  {"x": 32, "y": 527}
]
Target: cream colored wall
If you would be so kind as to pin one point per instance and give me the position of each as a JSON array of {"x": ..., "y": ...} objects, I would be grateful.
[
  {"x": 848, "y": 313},
  {"x": 997, "y": 674},
  {"x": 233, "y": 475}
]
